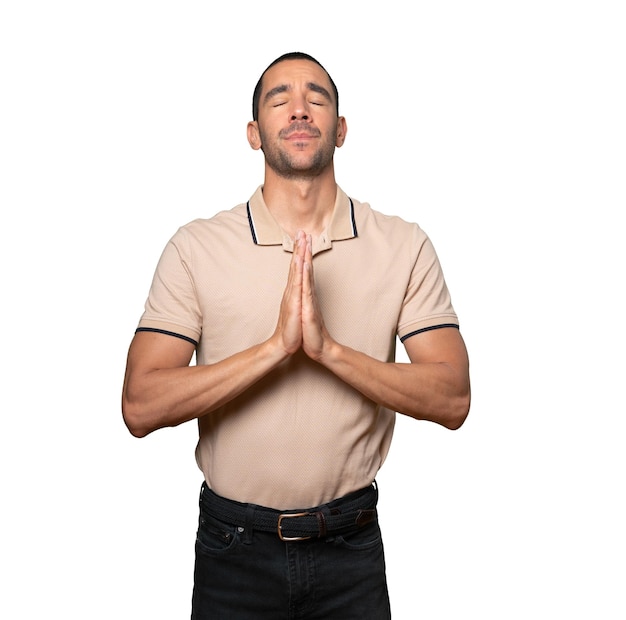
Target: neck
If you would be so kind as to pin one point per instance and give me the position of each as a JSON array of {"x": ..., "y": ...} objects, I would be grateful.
[{"x": 301, "y": 203}]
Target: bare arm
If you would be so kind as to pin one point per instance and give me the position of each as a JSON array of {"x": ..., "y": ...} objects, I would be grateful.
[
  {"x": 161, "y": 389},
  {"x": 434, "y": 386}
]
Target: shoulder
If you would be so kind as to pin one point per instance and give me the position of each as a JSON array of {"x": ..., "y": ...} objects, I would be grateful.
[
  {"x": 202, "y": 229},
  {"x": 373, "y": 222}
]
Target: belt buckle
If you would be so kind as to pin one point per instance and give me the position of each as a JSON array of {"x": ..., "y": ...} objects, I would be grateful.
[{"x": 290, "y": 515}]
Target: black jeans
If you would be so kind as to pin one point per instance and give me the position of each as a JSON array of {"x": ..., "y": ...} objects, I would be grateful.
[{"x": 245, "y": 574}]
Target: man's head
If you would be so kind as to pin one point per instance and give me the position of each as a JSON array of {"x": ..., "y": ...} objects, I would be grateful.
[
  {"x": 296, "y": 123},
  {"x": 289, "y": 56}
]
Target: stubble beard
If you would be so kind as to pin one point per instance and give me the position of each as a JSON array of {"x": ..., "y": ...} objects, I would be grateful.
[{"x": 289, "y": 167}]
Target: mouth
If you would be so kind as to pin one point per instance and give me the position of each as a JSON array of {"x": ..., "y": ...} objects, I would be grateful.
[
  {"x": 300, "y": 136},
  {"x": 299, "y": 132}
]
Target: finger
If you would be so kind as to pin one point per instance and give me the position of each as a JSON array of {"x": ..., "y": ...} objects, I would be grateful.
[
  {"x": 308, "y": 281},
  {"x": 289, "y": 326},
  {"x": 308, "y": 253},
  {"x": 300, "y": 244},
  {"x": 295, "y": 267}
]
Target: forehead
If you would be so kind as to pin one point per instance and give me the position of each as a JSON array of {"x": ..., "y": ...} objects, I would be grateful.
[{"x": 295, "y": 72}]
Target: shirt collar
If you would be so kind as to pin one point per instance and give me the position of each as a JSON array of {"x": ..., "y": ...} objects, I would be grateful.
[{"x": 265, "y": 230}]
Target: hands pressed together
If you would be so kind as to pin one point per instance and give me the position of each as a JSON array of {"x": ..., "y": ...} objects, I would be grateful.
[
  {"x": 300, "y": 323},
  {"x": 161, "y": 389}
]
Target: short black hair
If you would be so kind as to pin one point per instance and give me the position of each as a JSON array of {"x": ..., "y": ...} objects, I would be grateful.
[{"x": 288, "y": 56}]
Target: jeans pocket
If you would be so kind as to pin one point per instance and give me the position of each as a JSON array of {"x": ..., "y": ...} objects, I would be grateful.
[
  {"x": 361, "y": 539},
  {"x": 215, "y": 536}
]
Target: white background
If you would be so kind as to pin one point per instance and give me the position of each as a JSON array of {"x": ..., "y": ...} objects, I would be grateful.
[{"x": 498, "y": 126}]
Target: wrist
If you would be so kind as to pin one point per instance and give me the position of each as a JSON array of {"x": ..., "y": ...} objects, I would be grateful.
[
  {"x": 275, "y": 350},
  {"x": 330, "y": 353}
]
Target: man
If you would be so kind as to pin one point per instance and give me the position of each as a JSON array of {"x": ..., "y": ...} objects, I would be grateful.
[{"x": 292, "y": 303}]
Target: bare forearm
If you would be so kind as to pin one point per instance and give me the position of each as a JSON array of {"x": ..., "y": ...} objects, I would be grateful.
[
  {"x": 434, "y": 386},
  {"x": 164, "y": 397},
  {"x": 436, "y": 392},
  {"x": 161, "y": 389}
]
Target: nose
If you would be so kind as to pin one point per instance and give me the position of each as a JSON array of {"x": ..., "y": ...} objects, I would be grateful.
[{"x": 300, "y": 110}]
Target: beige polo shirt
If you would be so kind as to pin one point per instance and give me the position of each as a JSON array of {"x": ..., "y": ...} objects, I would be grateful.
[{"x": 300, "y": 436}]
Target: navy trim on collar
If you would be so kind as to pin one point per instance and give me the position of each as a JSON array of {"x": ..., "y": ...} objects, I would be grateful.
[
  {"x": 251, "y": 222},
  {"x": 352, "y": 217},
  {"x": 253, "y": 233}
]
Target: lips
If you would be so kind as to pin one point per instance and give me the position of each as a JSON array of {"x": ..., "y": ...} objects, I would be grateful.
[
  {"x": 296, "y": 132},
  {"x": 300, "y": 136}
]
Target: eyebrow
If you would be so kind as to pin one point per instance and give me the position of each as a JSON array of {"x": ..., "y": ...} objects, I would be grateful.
[{"x": 283, "y": 88}]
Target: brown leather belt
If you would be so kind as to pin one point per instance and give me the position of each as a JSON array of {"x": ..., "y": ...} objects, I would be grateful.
[{"x": 336, "y": 517}]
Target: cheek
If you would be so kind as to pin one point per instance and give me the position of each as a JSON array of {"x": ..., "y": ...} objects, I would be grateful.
[{"x": 264, "y": 134}]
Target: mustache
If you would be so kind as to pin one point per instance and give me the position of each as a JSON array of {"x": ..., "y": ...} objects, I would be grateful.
[{"x": 300, "y": 127}]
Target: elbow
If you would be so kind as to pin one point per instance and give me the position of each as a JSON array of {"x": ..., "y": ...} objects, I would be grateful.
[
  {"x": 458, "y": 412},
  {"x": 134, "y": 420},
  {"x": 455, "y": 423},
  {"x": 137, "y": 431}
]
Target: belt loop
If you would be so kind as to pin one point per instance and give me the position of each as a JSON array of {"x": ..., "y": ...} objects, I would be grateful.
[
  {"x": 321, "y": 522},
  {"x": 248, "y": 527}
]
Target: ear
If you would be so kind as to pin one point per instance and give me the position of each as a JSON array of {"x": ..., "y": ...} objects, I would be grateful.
[
  {"x": 254, "y": 136},
  {"x": 342, "y": 130}
]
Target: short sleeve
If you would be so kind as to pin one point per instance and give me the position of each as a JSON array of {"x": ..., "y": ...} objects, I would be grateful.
[
  {"x": 172, "y": 304},
  {"x": 427, "y": 303}
]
